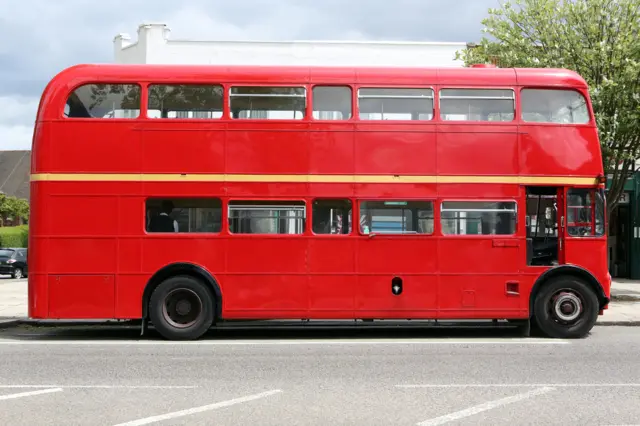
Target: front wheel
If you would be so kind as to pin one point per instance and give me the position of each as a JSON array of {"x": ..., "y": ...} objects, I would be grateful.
[
  {"x": 181, "y": 308},
  {"x": 566, "y": 308}
]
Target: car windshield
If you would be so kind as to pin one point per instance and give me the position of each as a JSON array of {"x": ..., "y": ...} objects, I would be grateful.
[{"x": 6, "y": 253}]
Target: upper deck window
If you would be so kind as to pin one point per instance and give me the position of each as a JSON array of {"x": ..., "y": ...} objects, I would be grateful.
[
  {"x": 554, "y": 106},
  {"x": 104, "y": 101},
  {"x": 395, "y": 104},
  {"x": 185, "y": 101},
  {"x": 268, "y": 103},
  {"x": 332, "y": 102},
  {"x": 477, "y": 104}
]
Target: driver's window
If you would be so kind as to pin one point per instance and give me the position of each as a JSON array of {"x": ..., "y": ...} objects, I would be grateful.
[{"x": 585, "y": 212}]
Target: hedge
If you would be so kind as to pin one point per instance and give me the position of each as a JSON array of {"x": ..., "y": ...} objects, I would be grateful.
[{"x": 14, "y": 236}]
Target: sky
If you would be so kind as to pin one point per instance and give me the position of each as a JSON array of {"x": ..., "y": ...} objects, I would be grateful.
[{"x": 39, "y": 38}]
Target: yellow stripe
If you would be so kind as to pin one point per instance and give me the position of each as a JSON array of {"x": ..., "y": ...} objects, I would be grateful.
[{"x": 176, "y": 177}]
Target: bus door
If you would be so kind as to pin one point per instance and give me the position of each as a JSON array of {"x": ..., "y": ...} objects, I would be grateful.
[{"x": 544, "y": 221}]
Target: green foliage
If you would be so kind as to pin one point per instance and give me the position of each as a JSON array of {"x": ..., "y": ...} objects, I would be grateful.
[
  {"x": 12, "y": 207},
  {"x": 600, "y": 40},
  {"x": 14, "y": 236}
]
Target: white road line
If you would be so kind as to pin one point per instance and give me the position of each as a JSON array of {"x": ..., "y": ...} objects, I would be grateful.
[
  {"x": 95, "y": 387},
  {"x": 190, "y": 411},
  {"x": 523, "y": 385},
  {"x": 292, "y": 342},
  {"x": 483, "y": 407},
  {"x": 33, "y": 393}
]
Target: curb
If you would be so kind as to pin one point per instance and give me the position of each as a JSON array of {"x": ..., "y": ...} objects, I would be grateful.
[
  {"x": 631, "y": 323},
  {"x": 6, "y": 323},
  {"x": 625, "y": 298}
]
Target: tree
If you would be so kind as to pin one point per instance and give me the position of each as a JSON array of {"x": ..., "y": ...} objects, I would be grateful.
[
  {"x": 598, "y": 39},
  {"x": 12, "y": 207}
]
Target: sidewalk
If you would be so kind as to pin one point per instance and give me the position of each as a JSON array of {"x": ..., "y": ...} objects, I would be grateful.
[{"x": 624, "y": 308}]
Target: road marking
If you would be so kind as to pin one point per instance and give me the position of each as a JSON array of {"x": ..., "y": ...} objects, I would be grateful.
[
  {"x": 190, "y": 411},
  {"x": 524, "y": 385},
  {"x": 484, "y": 407},
  {"x": 33, "y": 393},
  {"x": 95, "y": 387},
  {"x": 292, "y": 342}
]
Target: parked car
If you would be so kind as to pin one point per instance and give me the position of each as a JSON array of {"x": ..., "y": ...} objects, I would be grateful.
[{"x": 13, "y": 261}]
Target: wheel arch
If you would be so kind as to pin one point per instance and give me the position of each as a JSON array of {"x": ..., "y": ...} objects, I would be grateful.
[
  {"x": 182, "y": 268},
  {"x": 568, "y": 270}
]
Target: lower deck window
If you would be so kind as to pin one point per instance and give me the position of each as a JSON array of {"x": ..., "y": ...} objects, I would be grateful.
[
  {"x": 184, "y": 215},
  {"x": 267, "y": 217},
  {"x": 478, "y": 218},
  {"x": 332, "y": 217},
  {"x": 396, "y": 217}
]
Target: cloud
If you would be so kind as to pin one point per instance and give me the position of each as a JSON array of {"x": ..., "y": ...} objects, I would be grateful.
[{"x": 42, "y": 37}]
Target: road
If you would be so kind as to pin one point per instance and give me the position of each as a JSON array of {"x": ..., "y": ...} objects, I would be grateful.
[{"x": 107, "y": 376}]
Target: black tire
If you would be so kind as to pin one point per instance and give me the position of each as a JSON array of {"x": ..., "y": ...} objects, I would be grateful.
[
  {"x": 559, "y": 301},
  {"x": 17, "y": 274},
  {"x": 181, "y": 308}
]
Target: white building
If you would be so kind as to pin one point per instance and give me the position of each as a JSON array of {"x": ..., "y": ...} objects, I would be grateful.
[{"x": 154, "y": 46}]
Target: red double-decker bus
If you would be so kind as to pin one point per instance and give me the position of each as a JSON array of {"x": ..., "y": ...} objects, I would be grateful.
[{"x": 190, "y": 195}]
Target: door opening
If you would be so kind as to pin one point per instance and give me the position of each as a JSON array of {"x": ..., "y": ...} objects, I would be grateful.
[{"x": 543, "y": 236}]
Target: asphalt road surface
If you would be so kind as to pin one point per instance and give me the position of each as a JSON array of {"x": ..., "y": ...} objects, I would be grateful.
[{"x": 105, "y": 376}]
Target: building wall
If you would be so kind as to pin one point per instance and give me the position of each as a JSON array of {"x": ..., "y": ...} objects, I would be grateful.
[
  {"x": 154, "y": 46},
  {"x": 15, "y": 168}
]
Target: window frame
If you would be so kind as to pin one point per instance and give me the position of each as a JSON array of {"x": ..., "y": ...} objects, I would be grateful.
[
  {"x": 356, "y": 219},
  {"x": 516, "y": 213},
  {"x": 227, "y": 216},
  {"x": 142, "y": 86},
  {"x": 353, "y": 106},
  {"x": 514, "y": 99},
  {"x": 353, "y": 213},
  {"x": 593, "y": 220},
  {"x": 357, "y": 112},
  {"x": 147, "y": 90},
  {"x": 228, "y": 95},
  {"x": 182, "y": 234},
  {"x": 580, "y": 91}
]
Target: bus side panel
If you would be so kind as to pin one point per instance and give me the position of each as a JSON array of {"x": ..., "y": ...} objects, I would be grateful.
[
  {"x": 477, "y": 150},
  {"x": 266, "y": 277},
  {"x": 559, "y": 150},
  {"x": 332, "y": 275},
  {"x": 382, "y": 150}
]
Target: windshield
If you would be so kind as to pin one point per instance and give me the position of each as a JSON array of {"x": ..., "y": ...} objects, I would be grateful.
[{"x": 6, "y": 253}]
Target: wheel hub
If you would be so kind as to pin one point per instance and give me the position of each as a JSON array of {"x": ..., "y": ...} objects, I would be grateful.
[
  {"x": 182, "y": 307},
  {"x": 567, "y": 307}
]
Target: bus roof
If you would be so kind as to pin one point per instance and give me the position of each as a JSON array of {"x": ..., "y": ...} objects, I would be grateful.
[{"x": 486, "y": 76}]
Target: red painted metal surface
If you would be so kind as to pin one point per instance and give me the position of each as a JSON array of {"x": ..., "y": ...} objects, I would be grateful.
[{"x": 90, "y": 256}]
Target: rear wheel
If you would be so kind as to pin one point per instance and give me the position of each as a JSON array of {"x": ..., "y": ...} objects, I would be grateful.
[
  {"x": 181, "y": 308},
  {"x": 17, "y": 273},
  {"x": 566, "y": 307}
]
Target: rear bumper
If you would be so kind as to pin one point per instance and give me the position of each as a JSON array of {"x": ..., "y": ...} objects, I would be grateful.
[{"x": 6, "y": 270}]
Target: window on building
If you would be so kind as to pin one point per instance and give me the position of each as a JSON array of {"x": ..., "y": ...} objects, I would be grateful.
[
  {"x": 554, "y": 106},
  {"x": 332, "y": 217},
  {"x": 104, "y": 101},
  {"x": 267, "y": 217},
  {"x": 585, "y": 212},
  {"x": 395, "y": 104},
  {"x": 477, "y": 104},
  {"x": 268, "y": 103},
  {"x": 332, "y": 102},
  {"x": 478, "y": 217},
  {"x": 185, "y": 101},
  {"x": 184, "y": 215},
  {"x": 396, "y": 217}
]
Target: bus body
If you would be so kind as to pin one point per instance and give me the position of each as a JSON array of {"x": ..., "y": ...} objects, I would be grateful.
[{"x": 189, "y": 195}]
